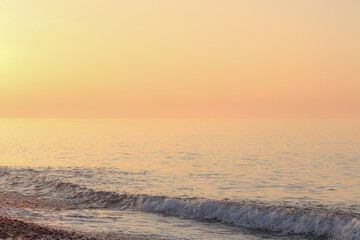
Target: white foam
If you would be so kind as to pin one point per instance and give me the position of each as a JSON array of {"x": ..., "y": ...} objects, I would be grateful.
[
  {"x": 250, "y": 215},
  {"x": 244, "y": 214}
]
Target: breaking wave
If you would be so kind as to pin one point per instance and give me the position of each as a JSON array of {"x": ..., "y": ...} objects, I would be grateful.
[{"x": 287, "y": 219}]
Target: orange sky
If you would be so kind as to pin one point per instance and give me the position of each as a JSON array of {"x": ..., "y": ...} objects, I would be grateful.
[{"x": 172, "y": 58}]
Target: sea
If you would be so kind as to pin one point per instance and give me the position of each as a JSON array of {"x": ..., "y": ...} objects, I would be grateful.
[{"x": 186, "y": 178}]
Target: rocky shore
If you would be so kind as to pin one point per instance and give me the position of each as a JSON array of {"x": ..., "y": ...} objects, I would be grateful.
[
  {"x": 16, "y": 229},
  {"x": 13, "y": 229}
]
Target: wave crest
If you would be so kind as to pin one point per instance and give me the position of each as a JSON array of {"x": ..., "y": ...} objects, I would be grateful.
[{"x": 246, "y": 214}]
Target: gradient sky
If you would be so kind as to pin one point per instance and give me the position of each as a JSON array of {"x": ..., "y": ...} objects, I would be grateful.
[{"x": 183, "y": 58}]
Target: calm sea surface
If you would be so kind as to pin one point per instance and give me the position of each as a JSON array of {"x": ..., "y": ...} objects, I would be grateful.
[{"x": 187, "y": 179}]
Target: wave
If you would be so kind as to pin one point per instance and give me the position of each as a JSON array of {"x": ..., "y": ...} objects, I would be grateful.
[
  {"x": 256, "y": 216},
  {"x": 287, "y": 219}
]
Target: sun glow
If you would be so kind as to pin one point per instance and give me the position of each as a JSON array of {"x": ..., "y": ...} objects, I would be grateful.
[{"x": 179, "y": 59}]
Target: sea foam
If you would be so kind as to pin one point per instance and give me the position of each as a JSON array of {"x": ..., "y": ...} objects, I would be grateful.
[{"x": 287, "y": 219}]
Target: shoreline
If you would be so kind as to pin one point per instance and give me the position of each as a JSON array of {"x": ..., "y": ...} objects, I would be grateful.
[
  {"x": 11, "y": 228},
  {"x": 15, "y": 229}
]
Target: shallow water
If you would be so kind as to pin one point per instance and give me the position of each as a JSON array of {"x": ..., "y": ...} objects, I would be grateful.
[{"x": 193, "y": 179}]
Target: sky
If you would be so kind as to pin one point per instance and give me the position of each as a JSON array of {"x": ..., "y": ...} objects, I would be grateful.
[{"x": 180, "y": 59}]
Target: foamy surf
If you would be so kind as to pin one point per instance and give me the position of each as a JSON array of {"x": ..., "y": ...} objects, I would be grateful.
[
  {"x": 286, "y": 219},
  {"x": 255, "y": 216}
]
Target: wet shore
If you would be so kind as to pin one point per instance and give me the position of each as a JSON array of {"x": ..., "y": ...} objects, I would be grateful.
[
  {"x": 16, "y": 229},
  {"x": 13, "y": 228}
]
